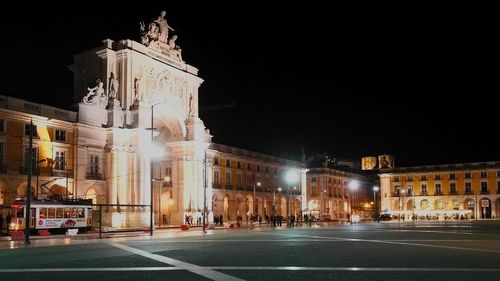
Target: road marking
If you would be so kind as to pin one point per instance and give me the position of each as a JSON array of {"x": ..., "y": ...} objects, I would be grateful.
[
  {"x": 385, "y": 242},
  {"x": 203, "y": 271},
  {"x": 254, "y": 268}
]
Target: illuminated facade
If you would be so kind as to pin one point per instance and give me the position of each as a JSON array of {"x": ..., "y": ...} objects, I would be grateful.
[
  {"x": 138, "y": 138},
  {"x": 439, "y": 192},
  {"x": 53, "y": 165},
  {"x": 329, "y": 195}
]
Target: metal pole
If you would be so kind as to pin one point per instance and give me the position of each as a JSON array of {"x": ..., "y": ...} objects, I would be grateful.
[
  {"x": 100, "y": 220},
  {"x": 253, "y": 196},
  {"x": 28, "y": 188},
  {"x": 375, "y": 205},
  {"x": 204, "y": 189},
  {"x": 151, "y": 174}
]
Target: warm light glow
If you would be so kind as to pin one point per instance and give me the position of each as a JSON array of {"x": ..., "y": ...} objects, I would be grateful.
[
  {"x": 258, "y": 183},
  {"x": 376, "y": 188},
  {"x": 353, "y": 185},
  {"x": 152, "y": 150},
  {"x": 167, "y": 178},
  {"x": 291, "y": 176},
  {"x": 170, "y": 202},
  {"x": 279, "y": 189}
]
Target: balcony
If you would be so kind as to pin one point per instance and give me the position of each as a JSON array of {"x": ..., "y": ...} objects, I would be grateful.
[
  {"x": 453, "y": 192},
  {"x": 485, "y": 192},
  {"x": 216, "y": 185},
  {"x": 438, "y": 193},
  {"x": 468, "y": 192},
  {"x": 94, "y": 176},
  {"x": 229, "y": 186},
  {"x": 3, "y": 168}
]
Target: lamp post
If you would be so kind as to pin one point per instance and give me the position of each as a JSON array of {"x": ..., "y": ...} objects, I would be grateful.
[
  {"x": 375, "y": 190},
  {"x": 291, "y": 178},
  {"x": 151, "y": 171},
  {"x": 401, "y": 203},
  {"x": 255, "y": 199},
  {"x": 274, "y": 199},
  {"x": 353, "y": 185},
  {"x": 27, "y": 223}
]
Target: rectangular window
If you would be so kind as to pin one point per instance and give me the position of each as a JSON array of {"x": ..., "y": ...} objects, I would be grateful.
[
  {"x": 228, "y": 163},
  {"x": 424, "y": 189},
  {"x": 27, "y": 130},
  {"x": 228, "y": 178},
  {"x": 313, "y": 179},
  {"x": 249, "y": 167},
  {"x": 423, "y": 178},
  {"x": 484, "y": 174},
  {"x": 468, "y": 187},
  {"x": 314, "y": 190},
  {"x": 216, "y": 177},
  {"x": 438, "y": 188},
  {"x": 409, "y": 178},
  {"x": 216, "y": 160},
  {"x": 94, "y": 165},
  {"x": 437, "y": 177},
  {"x": 396, "y": 178},
  {"x": 60, "y": 161},
  {"x": 258, "y": 168},
  {"x": 453, "y": 188},
  {"x": 249, "y": 179},
  {"x": 452, "y": 176},
  {"x": 60, "y": 135},
  {"x": 498, "y": 187},
  {"x": 467, "y": 175},
  {"x": 238, "y": 165},
  {"x": 484, "y": 187},
  {"x": 2, "y": 126},
  {"x": 168, "y": 174},
  {"x": 238, "y": 179},
  {"x": 34, "y": 159}
]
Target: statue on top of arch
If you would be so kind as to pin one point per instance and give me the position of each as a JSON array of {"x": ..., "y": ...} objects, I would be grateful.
[{"x": 156, "y": 37}]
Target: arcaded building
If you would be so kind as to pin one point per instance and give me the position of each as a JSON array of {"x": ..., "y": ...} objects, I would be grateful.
[{"x": 439, "y": 192}]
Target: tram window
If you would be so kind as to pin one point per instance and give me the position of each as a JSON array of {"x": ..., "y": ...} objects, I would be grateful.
[
  {"x": 52, "y": 213},
  {"x": 80, "y": 213},
  {"x": 74, "y": 213},
  {"x": 59, "y": 213},
  {"x": 43, "y": 213},
  {"x": 66, "y": 213},
  {"x": 19, "y": 213}
]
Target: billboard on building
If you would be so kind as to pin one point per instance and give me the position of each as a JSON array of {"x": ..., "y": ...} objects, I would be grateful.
[
  {"x": 385, "y": 161},
  {"x": 369, "y": 163}
]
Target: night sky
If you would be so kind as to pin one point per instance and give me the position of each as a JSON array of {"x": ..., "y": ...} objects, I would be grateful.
[{"x": 415, "y": 82}]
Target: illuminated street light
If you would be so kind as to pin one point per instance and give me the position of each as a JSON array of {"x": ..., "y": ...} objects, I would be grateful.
[
  {"x": 375, "y": 190},
  {"x": 255, "y": 199},
  {"x": 353, "y": 185},
  {"x": 291, "y": 178}
]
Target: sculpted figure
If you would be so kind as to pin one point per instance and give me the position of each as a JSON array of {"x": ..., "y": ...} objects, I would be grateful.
[
  {"x": 164, "y": 27},
  {"x": 94, "y": 93}
]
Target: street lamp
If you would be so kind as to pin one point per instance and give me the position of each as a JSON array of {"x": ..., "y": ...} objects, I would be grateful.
[
  {"x": 152, "y": 154},
  {"x": 255, "y": 199},
  {"x": 291, "y": 178},
  {"x": 353, "y": 185},
  {"x": 274, "y": 199},
  {"x": 401, "y": 203},
  {"x": 375, "y": 190}
]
